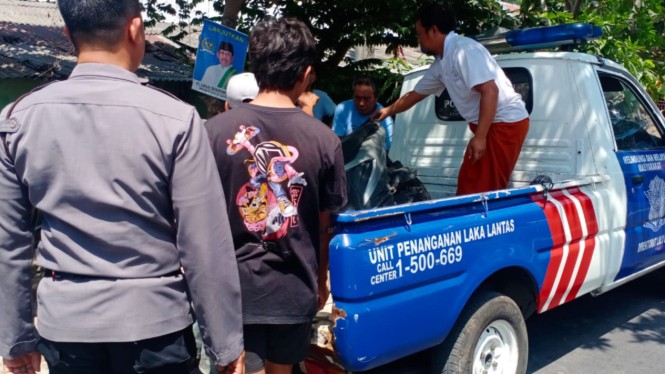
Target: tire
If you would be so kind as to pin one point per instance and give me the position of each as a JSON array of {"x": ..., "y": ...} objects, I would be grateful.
[{"x": 490, "y": 319}]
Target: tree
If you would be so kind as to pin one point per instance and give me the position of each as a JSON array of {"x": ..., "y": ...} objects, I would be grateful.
[
  {"x": 633, "y": 29},
  {"x": 632, "y": 33},
  {"x": 340, "y": 25},
  {"x": 231, "y": 12}
]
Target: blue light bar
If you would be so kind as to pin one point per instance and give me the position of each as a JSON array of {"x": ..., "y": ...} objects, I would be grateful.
[
  {"x": 578, "y": 32},
  {"x": 540, "y": 37}
]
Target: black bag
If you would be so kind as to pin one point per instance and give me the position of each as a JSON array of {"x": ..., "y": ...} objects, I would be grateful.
[
  {"x": 366, "y": 172},
  {"x": 373, "y": 180}
]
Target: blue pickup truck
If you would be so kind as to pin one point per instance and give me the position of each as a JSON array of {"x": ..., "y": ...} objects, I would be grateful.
[{"x": 458, "y": 276}]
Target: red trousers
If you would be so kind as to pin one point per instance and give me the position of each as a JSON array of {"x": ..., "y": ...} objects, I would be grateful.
[{"x": 492, "y": 171}]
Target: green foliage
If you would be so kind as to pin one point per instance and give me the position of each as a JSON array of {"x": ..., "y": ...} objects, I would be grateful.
[
  {"x": 340, "y": 25},
  {"x": 184, "y": 9},
  {"x": 339, "y": 84},
  {"x": 632, "y": 36}
]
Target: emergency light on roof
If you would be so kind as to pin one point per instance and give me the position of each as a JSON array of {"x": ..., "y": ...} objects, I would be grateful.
[{"x": 540, "y": 37}]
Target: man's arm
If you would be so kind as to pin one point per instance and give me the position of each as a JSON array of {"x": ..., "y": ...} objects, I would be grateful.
[
  {"x": 489, "y": 97},
  {"x": 307, "y": 102},
  {"x": 332, "y": 192},
  {"x": 329, "y": 106},
  {"x": 478, "y": 70},
  {"x": 18, "y": 335},
  {"x": 429, "y": 84},
  {"x": 206, "y": 247},
  {"x": 338, "y": 126},
  {"x": 402, "y": 104},
  {"x": 325, "y": 219}
]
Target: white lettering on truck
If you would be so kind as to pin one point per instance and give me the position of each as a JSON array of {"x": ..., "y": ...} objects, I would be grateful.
[{"x": 393, "y": 261}]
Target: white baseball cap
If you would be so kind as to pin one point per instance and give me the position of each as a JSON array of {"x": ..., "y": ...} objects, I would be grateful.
[{"x": 241, "y": 87}]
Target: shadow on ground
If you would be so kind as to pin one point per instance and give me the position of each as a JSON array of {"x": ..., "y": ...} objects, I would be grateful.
[{"x": 637, "y": 308}]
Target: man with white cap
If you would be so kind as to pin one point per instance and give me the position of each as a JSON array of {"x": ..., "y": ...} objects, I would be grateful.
[{"x": 242, "y": 88}]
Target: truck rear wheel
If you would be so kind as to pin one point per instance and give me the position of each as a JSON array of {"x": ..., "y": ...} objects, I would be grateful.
[{"x": 489, "y": 338}]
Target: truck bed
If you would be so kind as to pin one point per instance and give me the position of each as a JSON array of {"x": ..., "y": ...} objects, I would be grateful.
[{"x": 377, "y": 293}]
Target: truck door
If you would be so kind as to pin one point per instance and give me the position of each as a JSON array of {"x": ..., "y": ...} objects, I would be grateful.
[{"x": 640, "y": 148}]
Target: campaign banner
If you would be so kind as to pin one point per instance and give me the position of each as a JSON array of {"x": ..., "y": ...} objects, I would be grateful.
[{"x": 221, "y": 55}]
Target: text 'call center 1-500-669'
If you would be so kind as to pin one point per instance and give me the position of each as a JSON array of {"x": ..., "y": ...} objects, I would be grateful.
[{"x": 393, "y": 261}]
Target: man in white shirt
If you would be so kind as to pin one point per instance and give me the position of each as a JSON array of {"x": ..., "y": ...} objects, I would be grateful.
[
  {"x": 219, "y": 75},
  {"x": 482, "y": 94}
]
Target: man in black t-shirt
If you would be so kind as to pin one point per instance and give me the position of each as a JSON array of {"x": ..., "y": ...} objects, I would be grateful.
[{"x": 283, "y": 174}]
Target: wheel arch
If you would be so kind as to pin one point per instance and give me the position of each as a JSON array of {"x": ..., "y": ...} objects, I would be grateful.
[{"x": 516, "y": 282}]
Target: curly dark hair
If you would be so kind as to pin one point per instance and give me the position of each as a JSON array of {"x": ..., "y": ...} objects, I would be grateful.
[{"x": 280, "y": 52}]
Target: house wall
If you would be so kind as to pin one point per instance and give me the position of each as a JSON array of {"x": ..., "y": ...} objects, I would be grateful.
[
  {"x": 12, "y": 89},
  {"x": 183, "y": 90}
]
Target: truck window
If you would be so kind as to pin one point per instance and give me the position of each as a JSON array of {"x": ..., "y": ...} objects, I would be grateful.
[
  {"x": 519, "y": 77},
  {"x": 633, "y": 126}
]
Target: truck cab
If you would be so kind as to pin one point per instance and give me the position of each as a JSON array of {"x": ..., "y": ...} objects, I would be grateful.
[
  {"x": 589, "y": 117},
  {"x": 458, "y": 275}
]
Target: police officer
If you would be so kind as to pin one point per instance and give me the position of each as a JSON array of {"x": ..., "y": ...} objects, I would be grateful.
[{"x": 127, "y": 184}]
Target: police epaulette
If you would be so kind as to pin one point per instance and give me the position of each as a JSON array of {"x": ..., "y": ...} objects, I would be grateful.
[{"x": 11, "y": 125}]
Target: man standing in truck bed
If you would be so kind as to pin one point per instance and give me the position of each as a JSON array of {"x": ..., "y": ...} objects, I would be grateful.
[{"x": 482, "y": 93}]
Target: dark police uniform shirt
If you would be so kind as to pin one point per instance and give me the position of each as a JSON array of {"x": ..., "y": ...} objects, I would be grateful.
[{"x": 129, "y": 191}]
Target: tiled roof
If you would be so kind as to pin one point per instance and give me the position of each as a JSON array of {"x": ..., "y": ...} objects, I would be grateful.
[
  {"x": 162, "y": 63},
  {"x": 190, "y": 40},
  {"x": 42, "y": 13},
  {"x": 31, "y": 12},
  {"x": 37, "y": 52},
  {"x": 29, "y": 61},
  {"x": 43, "y": 52}
]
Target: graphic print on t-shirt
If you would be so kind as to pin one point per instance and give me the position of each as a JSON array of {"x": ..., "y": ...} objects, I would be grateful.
[{"x": 263, "y": 203}]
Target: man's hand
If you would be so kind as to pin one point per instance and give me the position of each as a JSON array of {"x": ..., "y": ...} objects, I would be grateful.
[
  {"x": 308, "y": 98},
  {"x": 381, "y": 114},
  {"x": 476, "y": 148},
  {"x": 402, "y": 104},
  {"x": 324, "y": 294},
  {"x": 26, "y": 364},
  {"x": 235, "y": 367},
  {"x": 307, "y": 101}
]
